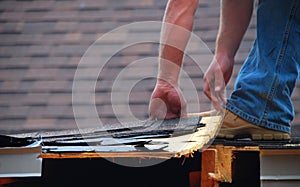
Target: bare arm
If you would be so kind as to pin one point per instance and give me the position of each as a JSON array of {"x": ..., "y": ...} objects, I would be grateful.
[
  {"x": 234, "y": 21},
  {"x": 179, "y": 18},
  {"x": 167, "y": 100}
]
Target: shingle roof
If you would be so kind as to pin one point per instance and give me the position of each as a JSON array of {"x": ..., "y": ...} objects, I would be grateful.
[{"x": 42, "y": 42}]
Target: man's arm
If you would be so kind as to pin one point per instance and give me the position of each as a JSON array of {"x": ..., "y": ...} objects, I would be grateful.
[
  {"x": 234, "y": 21},
  {"x": 167, "y": 100}
]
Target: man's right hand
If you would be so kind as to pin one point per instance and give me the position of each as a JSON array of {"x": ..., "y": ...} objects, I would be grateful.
[
  {"x": 166, "y": 101},
  {"x": 216, "y": 78}
]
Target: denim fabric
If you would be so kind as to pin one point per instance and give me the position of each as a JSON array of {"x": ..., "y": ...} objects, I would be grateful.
[{"x": 263, "y": 88}]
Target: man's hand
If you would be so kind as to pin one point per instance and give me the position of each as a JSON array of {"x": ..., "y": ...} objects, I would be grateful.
[
  {"x": 234, "y": 20},
  {"x": 216, "y": 78},
  {"x": 166, "y": 102}
]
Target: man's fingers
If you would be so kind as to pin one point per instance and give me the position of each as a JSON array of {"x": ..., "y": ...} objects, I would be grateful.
[
  {"x": 207, "y": 87},
  {"x": 216, "y": 103},
  {"x": 215, "y": 92},
  {"x": 158, "y": 109},
  {"x": 219, "y": 91},
  {"x": 158, "y": 114},
  {"x": 183, "y": 110}
]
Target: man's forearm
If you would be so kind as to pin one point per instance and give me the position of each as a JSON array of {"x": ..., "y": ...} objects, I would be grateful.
[
  {"x": 234, "y": 21},
  {"x": 178, "y": 19}
]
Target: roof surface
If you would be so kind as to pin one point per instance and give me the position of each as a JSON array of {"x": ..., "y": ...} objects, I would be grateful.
[{"x": 42, "y": 42}]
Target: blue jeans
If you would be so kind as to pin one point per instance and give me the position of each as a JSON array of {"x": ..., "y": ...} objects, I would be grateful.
[{"x": 263, "y": 88}]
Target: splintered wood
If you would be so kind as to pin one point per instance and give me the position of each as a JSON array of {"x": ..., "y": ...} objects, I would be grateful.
[{"x": 186, "y": 145}]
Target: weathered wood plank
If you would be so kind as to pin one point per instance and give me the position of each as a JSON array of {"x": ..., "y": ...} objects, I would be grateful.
[{"x": 141, "y": 155}]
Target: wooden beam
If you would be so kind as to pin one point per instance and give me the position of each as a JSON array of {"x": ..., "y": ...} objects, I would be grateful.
[
  {"x": 217, "y": 164},
  {"x": 209, "y": 160},
  {"x": 280, "y": 152},
  {"x": 195, "y": 178},
  {"x": 5, "y": 181},
  {"x": 224, "y": 163}
]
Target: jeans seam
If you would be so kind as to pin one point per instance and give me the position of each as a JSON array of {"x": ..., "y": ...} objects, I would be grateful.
[{"x": 280, "y": 59}]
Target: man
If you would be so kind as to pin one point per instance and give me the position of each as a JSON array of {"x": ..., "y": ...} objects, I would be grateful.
[{"x": 260, "y": 105}]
